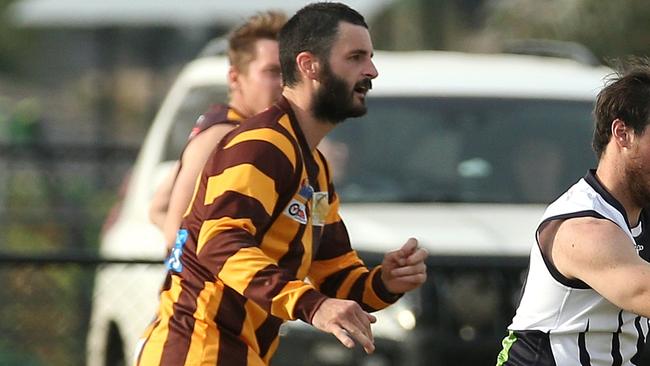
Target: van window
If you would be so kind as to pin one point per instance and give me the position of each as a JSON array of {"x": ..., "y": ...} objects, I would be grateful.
[
  {"x": 431, "y": 149},
  {"x": 195, "y": 103}
]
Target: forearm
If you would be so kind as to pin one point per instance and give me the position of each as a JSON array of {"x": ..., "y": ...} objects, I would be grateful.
[
  {"x": 177, "y": 207},
  {"x": 161, "y": 198},
  {"x": 638, "y": 303},
  {"x": 632, "y": 295},
  {"x": 345, "y": 277},
  {"x": 157, "y": 216}
]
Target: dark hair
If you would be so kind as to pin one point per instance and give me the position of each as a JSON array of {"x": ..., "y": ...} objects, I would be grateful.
[
  {"x": 626, "y": 96},
  {"x": 241, "y": 42},
  {"x": 313, "y": 29}
]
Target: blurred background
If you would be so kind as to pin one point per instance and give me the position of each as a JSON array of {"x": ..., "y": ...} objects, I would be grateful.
[{"x": 81, "y": 80}]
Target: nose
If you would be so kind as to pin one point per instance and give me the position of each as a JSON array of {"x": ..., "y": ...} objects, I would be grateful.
[{"x": 371, "y": 71}]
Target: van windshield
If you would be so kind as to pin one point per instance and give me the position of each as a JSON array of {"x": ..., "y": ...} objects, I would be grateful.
[{"x": 435, "y": 149}]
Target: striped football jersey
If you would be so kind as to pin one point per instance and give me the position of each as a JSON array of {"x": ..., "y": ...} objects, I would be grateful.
[
  {"x": 563, "y": 321},
  {"x": 261, "y": 243},
  {"x": 216, "y": 114}
]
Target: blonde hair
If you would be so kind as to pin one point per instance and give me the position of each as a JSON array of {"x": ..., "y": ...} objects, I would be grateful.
[{"x": 241, "y": 42}]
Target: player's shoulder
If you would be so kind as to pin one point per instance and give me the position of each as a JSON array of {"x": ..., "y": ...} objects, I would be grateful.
[
  {"x": 216, "y": 112},
  {"x": 261, "y": 138},
  {"x": 216, "y": 115},
  {"x": 590, "y": 230},
  {"x": 587, "y": 224},
  {"x": 270, "y": 118},
  {"x": 269, "y": 126},
  {"x": 206, "y": 140}
]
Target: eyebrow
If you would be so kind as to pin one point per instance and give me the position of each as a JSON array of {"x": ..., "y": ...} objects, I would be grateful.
[{"x": 361, "y": 51}]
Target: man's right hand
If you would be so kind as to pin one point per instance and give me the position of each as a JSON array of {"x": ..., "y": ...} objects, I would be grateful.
[{"x": 347, "y": 321}]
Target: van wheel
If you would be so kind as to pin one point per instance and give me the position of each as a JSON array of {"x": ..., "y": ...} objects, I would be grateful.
[{"x": 114, "y": 348}]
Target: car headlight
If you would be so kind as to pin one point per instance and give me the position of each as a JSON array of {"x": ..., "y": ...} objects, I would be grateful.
[
  {"x": 406, "y": 319},
  {"x": 397, "y": 320}
]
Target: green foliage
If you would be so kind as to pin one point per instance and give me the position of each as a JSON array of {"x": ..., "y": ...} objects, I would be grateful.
[
  {"x": 36, "y": 226},
  {"x": 616, "y": 28},
  {"x": 15, "y": 43},
  {"x": 42, "y": 320},
  {"x": 25, "y": 189},
  {"x": 609, "y": 28},
  {"x": 421, "y": 24}
]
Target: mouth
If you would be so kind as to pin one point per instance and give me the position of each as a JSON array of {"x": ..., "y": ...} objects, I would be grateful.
[
  {"x": 361, "y": 90},
  {"x": 363, "y": 86}
]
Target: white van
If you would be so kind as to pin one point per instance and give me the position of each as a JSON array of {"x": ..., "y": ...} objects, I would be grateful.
[{"x": 459, "y": 150}]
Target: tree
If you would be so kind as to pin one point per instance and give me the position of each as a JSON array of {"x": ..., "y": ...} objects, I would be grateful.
[{"x": 611, "y": 29}]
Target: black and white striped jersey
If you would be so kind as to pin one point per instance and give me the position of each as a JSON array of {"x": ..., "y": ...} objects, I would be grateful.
[{"x": 564, "y": 322}]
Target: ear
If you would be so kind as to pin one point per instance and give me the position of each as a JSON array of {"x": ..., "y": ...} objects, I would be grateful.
[
  {"x": 621, "y": 134},
  {"x": 308, "y": 65},
  {"x": 233, "y": 78}
]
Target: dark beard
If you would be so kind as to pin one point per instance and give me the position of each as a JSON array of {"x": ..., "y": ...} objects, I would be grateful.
[
  {"x": 637, "y": 178},
  {"x": 333, "y": 102}
]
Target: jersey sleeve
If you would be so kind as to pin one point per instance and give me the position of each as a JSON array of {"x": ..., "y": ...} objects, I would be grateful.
[
  {"x": 244, "y": 183},
  {"x": 337, "y": 270}
]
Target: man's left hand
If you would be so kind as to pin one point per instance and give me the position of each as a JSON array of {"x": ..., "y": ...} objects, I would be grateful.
[{"x": 404, "y": 269}]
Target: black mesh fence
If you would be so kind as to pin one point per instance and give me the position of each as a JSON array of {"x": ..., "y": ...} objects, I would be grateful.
[
  {"x": 49, "y": 301},
  {"x": 63, "y": 304},
  {"x": 84, "y": 310},
  {"x": 56, "y": 197},
  {"x": 44, "y": 315}
]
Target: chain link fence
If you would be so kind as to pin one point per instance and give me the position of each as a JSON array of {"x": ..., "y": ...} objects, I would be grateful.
[
  {"x": 63, "y": 304},
  {"x": 48, "y": 304},
  {"x": 44, "y": 314},
  {"x": 83, "y": 310},
  {"x": 56, "y": 197}
]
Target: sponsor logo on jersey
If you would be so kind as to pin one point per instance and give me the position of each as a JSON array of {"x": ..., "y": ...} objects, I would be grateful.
[{"x": 297, "y": 211}]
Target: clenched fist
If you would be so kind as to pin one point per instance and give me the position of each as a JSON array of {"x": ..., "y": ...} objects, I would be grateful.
[{"x": 404, "y": 269}]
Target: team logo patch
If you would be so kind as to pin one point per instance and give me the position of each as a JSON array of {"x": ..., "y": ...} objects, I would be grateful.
[
  {"x": 306, "y": 190},
  {"x": 297, "y": 211},
  {"x": 320, "y": 208},
  {"x": 173, "y": 262}
]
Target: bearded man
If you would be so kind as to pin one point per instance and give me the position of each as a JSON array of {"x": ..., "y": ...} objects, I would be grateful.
[
  {"x": 586, "y": 300},
  {"x": 263, "y": 241}
]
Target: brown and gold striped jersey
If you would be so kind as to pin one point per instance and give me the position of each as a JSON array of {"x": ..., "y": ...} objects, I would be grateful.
[
  {"x": 261, "y": 243},
  {"x": 216, "y": 114}
]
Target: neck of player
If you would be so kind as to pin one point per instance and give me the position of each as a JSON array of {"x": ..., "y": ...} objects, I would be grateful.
[
  {"x": 313, "y": 128},
  {"x": 615, "y": 182}
]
